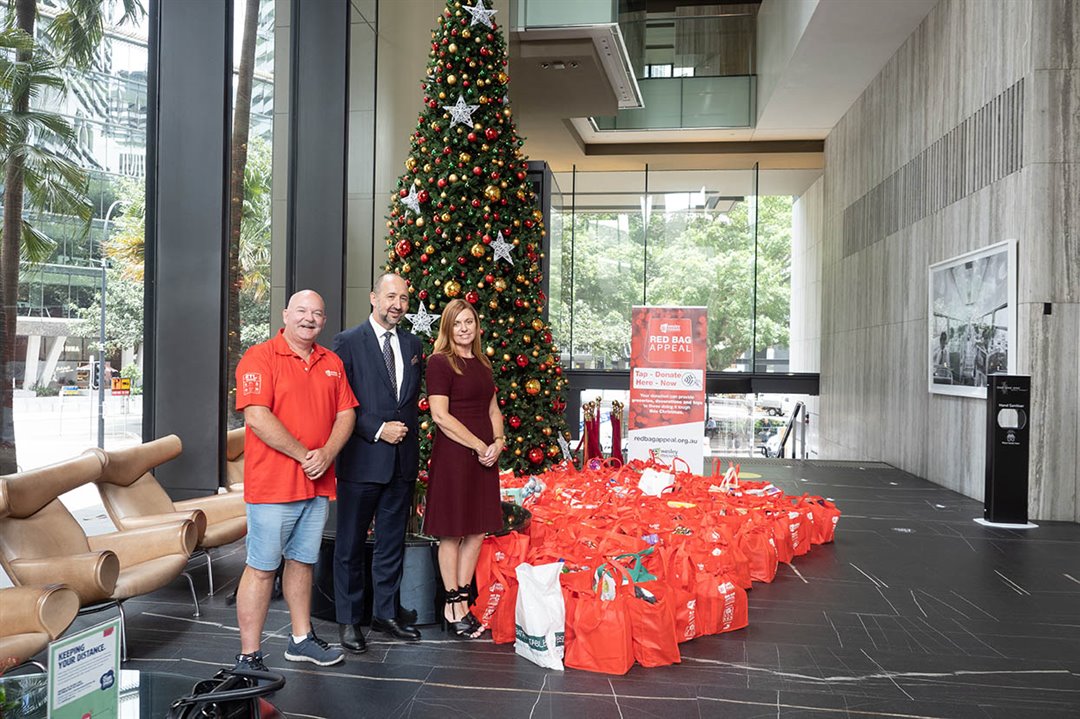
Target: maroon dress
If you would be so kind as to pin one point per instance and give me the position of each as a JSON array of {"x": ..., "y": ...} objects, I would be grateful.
[{"x": 463, "y": 495}]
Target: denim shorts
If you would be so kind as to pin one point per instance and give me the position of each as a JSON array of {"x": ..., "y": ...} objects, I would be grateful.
[{"x": 292, "y": 530}]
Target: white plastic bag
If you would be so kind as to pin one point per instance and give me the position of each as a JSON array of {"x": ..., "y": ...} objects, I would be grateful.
[
  {"x": 655, "y": 483},
  {"x": 540, "y": 615}
]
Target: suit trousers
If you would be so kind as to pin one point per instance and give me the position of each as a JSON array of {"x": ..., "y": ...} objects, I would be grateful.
[{"x": 359, "y": 503}]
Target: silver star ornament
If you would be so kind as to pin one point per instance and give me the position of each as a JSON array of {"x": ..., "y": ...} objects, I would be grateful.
[
  {"x": 502, "y": 249},
  {"x": 411, "y": 201},
  {"x": 461, "y": 113},
  {"x": 422, "y": 320},
  {"x": 480, "y": 14}
]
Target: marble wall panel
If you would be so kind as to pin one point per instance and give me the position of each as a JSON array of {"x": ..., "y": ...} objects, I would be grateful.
[
  {"x": 874, "y": 403},
  {"x": 1054, "y": 481}
]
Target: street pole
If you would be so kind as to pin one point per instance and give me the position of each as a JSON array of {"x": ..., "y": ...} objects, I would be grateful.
[{"x": 101, "y": 337}]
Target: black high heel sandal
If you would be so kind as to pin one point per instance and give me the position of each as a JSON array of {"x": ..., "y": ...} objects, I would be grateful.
[{"x": 466, "y": 626}]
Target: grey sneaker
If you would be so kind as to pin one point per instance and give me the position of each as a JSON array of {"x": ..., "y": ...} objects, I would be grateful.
[
  {"x": 314, "y": 650},
  {"x": 250, "y": 661}
]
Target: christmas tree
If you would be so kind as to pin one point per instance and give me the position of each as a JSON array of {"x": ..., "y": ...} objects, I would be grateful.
[{"x": 465, "y": 223}]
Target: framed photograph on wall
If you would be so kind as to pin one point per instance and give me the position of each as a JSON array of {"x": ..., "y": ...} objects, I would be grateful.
[{"x": 972, "y": 320}]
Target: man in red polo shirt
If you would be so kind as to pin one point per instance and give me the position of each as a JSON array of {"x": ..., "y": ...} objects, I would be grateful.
[{"x": 298, "y": 409}]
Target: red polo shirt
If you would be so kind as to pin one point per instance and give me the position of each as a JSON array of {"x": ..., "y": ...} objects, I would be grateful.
[{"x": 306, "y": 397}]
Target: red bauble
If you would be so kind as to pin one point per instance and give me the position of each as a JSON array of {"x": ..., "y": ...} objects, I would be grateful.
[
  {"x": 521, "y": 176},
  {"x": 472, "y": 297},
  {"x": 423, "y": 294},
  {"x": 477, "y": 171},
  {"x": 423, "y": 404},
  {"x": 522, "y": 361},
  {"x": 519, "y": 303},
  {"x": 489, "y": 278},
  {"x": 424, "y": 258},
  {"x": 514, "y": 421},
  {"x": 403, "y": 192},
  {"x": 486, "y": 239},
  {"x": 441, "y": 183},
  {"x": 558, "y": 405},
  {"x": 461, "y": 260},
  {"x": 491, "y": 133},
  {"x": 536, "y": 455},
  {"x": 471, "y": 137},
  {"x": 403, "y": 248},
  {"x": 475, "y": 202}
]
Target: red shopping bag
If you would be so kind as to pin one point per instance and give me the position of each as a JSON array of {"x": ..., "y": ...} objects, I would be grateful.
[
  {"x": 825, "y": 516},
  {"x": 757, "y": 543},
  {"x": 656, "y": 643},
  {"x": 679, "y": 576},
  {"x": 496, "y": 584},
  {"x": 603, "y": 640},
  {"x": 722, "y": 605},
  {"x": 785, "y": 552}
]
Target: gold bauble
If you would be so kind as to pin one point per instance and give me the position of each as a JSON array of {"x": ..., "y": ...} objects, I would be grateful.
[
  {"x": 427, "y": 167},
  {"x": 452, "y": 178},
  {"x": 452, "y": 288},
  {"x": 419, "y": 221},
  {"x": 517, "y": 452},
  {"x": 506, "y": 358},
  {"x": 452, "y": 47},
  {"x": 513, "y": 395},
  {"x": 451, "y": 80},
  {"x": 538, "y": 324},
  {"x": 466, "y": 33},
  {"x": 477, "y": 250},
  {"x": 500, "y": 285},
  {"x": 492, "y": 192},
  {"x": 489, "y": 351},
  {"x": 410, "y": 164},
  {"x": 445, "y": 217},
  {"x": 442, "y": 95},
  {"x": 502, "y": 77},
  {"x": 527, "y": 339},
  {"x": 533, "y": 386},
  {"x": 429, "y": 249},
  {"x": 546, "y": 431},
  {"x": 406, "y": 268},
  {"x": 493, "y": 304},
  {"x": 465, "y": 157}
]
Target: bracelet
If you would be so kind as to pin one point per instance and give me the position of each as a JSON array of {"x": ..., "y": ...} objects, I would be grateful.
[{"x": 499, "y": 436}]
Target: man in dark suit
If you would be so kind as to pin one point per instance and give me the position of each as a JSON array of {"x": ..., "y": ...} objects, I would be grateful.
[{"x": 377, "y": 468}]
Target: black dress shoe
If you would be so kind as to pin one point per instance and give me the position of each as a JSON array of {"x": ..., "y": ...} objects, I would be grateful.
[
  {"x": 352, "y": 639},
  {"x": 395, "y": 629},
  {"x": 406, "y": 617}
]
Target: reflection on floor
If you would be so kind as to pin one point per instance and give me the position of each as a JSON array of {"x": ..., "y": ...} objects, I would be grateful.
[{"x": 915, "y": 611}]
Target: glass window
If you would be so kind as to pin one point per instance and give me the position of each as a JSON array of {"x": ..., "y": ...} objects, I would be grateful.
[{"x": 58, "y": 330}]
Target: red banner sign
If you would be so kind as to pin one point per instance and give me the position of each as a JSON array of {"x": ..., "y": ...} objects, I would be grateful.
[{"x": 668, "y": 352}]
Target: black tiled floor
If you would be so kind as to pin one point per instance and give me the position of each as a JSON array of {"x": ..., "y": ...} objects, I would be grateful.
[{"x": 914, "y": 611}]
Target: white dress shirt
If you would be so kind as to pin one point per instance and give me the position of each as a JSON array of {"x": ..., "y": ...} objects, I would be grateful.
[{"x": 399, "y": 363}]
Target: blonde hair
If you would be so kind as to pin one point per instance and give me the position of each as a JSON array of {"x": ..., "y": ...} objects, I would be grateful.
[{"x": 444, "y": 343}]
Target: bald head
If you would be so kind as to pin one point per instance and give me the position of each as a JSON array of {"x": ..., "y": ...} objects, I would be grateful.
[{"x": 304, "y": 318}]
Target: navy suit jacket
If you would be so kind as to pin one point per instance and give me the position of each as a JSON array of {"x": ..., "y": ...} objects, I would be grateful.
[{"x": 363, "y": 459}]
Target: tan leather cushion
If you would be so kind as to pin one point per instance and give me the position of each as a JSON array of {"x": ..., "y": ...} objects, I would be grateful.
[
  {"x": 29, "y": 491},
  {"x": 222, "y": 533},
  {"x": 51, "y": 532},
  {"x": 141, "y": 497},
  {"x": 22, "y": 646},
  {"x": 234, "y": 443},
  {"x": 149, "y": 576},
  {"x": 127, "y": 465}
]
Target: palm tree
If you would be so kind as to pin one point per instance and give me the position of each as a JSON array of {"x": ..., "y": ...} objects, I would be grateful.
[
  {"x": 240, "y": 133},
  {"x": 34, "y": 172}
]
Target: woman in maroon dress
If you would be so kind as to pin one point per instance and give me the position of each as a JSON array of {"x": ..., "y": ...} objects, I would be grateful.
[{"x": 463, "y": 486}]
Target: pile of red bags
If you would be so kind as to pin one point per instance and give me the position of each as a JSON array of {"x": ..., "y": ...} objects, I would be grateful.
[{"x": 644, "y": 573}]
